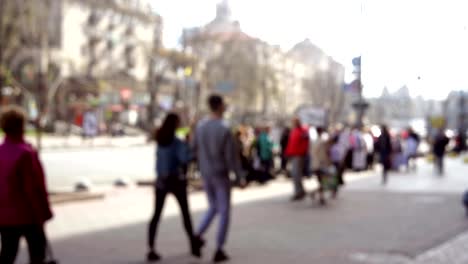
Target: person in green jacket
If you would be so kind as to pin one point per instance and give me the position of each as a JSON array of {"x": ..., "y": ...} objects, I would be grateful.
[{"x": 265, "y": 149}]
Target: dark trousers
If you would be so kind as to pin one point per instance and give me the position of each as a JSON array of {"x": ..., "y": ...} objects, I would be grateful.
[
  {"x": 267, "y": 165},
  {"x": 284, "y": 162},
  {"x": 439, "y": 163},
  {"x": 180, "y": 192},
  {"x": 35, "y": 238},
  {"x": 340, "y": 168}
]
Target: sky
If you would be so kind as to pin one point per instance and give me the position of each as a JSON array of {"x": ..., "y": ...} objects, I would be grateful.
[{"x": 422, "y": 44}]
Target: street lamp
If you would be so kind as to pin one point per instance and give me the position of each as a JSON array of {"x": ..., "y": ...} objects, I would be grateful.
[{"x": 360, "y": 105}]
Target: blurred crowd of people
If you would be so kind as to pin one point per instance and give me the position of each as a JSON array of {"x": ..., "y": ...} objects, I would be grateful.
[
  {"x": 250, "y": 153},
  {"x": 304, "y": 151}
]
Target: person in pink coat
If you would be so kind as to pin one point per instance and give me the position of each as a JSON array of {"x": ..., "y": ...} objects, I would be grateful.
[{"x": 24, "y": 203}]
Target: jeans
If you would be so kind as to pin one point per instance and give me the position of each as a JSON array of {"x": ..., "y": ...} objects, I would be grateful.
[
  {"x": 180, "y": 192},
  {"x": 297, "y": 163},
  {"x": 35, "y": 238},
  {"x": 218, "y": 191}
]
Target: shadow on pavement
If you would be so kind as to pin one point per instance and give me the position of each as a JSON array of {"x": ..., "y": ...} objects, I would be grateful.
[{"x": 277, "y": 231}]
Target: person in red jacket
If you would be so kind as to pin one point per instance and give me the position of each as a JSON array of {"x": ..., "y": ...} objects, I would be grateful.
[
  {"x": 24, "y": 204},
  {"x": 297, "y": 149}
]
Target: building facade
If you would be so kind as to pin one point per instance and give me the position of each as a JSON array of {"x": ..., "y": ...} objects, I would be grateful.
[
  {"x": 261, "y": 81},
  {"x": 98, "y": 51}
]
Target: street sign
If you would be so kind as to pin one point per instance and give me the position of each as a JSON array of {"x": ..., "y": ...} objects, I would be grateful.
[
  {"x": 357, "y": 61},
  {"x": 225, "y": 87},
  {"x": 313, "y": 116}
]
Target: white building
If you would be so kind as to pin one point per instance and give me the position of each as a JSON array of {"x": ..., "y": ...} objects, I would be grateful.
[
  {"x": 321, "y": 81},
  {"x": 98, "y": 48}
]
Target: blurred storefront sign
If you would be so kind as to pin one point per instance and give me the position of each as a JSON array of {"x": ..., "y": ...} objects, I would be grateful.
[
  {"x": 125, "y": 94},
  {"x": 166, "y": 102},
  {"x": 225, "y": 87},
  {"x": 437, "y": 122},
  {"x": 313, "y": 116}
]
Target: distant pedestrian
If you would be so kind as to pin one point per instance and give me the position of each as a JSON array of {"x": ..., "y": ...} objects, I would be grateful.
[
  {"x": 438, "y": 149},
  {"x": 369, "y": 141},
  {"x": 172, "y": 156},
  {"x": 398, "y": 158},
  {"x": 411, "y": 146},
  {"x": 90, "y": 126},
  {"x": 217, "y": 155},
  {"x": 297, "y": 150},
  {"x": 321, "y": 162},
  {"x": 359, "y": 150},
  {"x": 24, "y": 204},
  {"x": 284, "y": 144},
  {"x": 265, "y": 150},
  {"x": 384, "y": 146}
]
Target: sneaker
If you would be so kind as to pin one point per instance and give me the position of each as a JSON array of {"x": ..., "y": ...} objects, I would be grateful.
[
  {"x": 220, "y": 256},
  {"x": 197, "y": 245},
  {"x": 153, "y": 257}
]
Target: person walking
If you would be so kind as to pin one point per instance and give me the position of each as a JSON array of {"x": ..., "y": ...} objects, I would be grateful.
[
  {"x": 284, "y": 144},
  {"x": 217, "y": 155},
  {"x": 90, "y": 126},
  {"x": 321, "y": 162},
  {"x": 297, "y": 149},
  {"x": 384, "y": 145},
  {"x": 24, "y": 203},
  {"x": 438, "y": 149},
  {"x": 411, "y": 144},
  {"x": 172, "y": 156}
]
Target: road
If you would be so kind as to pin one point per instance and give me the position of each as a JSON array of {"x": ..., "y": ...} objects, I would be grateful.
[
  {"x": 416, "y": 219},
  {"x": 101, "y": 166}
]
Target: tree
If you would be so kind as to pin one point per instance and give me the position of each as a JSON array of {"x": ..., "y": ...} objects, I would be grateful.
[
  {"x": 24, "y": 32},
  {"x": 245, "y": 64}
]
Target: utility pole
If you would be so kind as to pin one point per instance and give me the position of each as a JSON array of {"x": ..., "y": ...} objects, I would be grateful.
[
  {"x": 462, "y": 120},
  {"x": 2, "y": 77},
  {"x": 265, "y": 83},
  {"x": 153, "y": 79},
  {"x": 43, "y": 61},
  {"x": 360, "y": 105}
]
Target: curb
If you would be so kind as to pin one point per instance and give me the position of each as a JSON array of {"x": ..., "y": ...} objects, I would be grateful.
[{"x": 71, "y": 197}]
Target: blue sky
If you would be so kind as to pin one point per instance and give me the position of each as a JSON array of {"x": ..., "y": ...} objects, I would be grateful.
[{"x": 420, "y": 43}]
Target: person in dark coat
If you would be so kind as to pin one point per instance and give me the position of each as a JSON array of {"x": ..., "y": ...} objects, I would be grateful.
[
  {"x": 284, "y": 144},
  {"x": 438, "y": 149},
  {"x": 24, "y": 203},
  {"x": 384, "y": 146}
]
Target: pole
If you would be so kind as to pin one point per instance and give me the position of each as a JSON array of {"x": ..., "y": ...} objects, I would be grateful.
[
  {"x": 462, "y": 120},
  {"x": 361, "y": 104},
  {"x": 153, "y": 81},
  {"x": 2, "y": 78},
  {"x": 42, "y": 82}
]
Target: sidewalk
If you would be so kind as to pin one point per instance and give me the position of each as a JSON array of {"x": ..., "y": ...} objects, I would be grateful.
[
  {"x": 76, "y": 142},
  {"x": 367, "y": 224}
]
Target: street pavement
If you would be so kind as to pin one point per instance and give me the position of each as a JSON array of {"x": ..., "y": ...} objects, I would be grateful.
[
  {"x": 100, "y": 165},
  {"x": 51, "y": 142},
  {"x": 417, "y": 218}
]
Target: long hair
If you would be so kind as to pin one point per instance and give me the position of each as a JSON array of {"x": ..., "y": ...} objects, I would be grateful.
[{"x": 165, "y": 135}]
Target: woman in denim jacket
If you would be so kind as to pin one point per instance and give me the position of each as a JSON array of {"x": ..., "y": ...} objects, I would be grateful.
[{"x": 171, "y": 156}]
